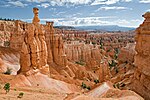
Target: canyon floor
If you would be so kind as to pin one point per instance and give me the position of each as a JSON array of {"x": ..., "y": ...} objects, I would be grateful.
[{"x": 31, "y": 93}]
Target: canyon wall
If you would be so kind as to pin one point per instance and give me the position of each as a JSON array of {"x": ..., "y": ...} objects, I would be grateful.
[
  {"x": 79, "y": 51},
  {"x": 90, "y": 56},
  {"x": 141, "y": 83},
  {"x": 6, "y": 29},
  {"x": 17, "y": 35}
]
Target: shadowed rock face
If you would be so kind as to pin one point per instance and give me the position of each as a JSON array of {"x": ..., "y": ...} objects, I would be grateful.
[{"x": 141, "y": 83}]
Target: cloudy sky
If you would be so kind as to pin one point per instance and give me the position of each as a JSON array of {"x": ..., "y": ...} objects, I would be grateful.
[{"x": 78, "y": 12}]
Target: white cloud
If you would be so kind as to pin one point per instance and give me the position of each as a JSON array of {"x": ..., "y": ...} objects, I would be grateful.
[
  {"x": 78, "y": 2},
  {"x": 126, "y": 0},
  {"x": 37, "y": 1},
  {"x": 17, "y": 3},
  {"x": 62, "y": 2},
  {"x": 60, "y": 13},
  {"x": 148, "y": 10},
  {"x": 136, "y": 22},
  {"x": 126, "y": 23},
  {"x": 112, "y": 8},
  {"x": 98, "y": 22},
  {"x": 107, "y": 2},
  {"x": 122, "y": 21},
  {"x": 74, "y": 2},
  {"x": 144, "y": 1},
  {"x": 83, "y": 22},
  {"x": 45, "y": 5},
  {"x": 91, "y": 21},
  {"x": 75, "y": 21}
]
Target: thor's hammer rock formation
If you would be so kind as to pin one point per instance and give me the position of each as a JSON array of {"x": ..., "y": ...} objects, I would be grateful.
[{"x": 34, "y": 49}]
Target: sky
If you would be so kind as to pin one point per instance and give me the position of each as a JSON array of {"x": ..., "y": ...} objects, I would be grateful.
[{"x": 126, "y": 13}]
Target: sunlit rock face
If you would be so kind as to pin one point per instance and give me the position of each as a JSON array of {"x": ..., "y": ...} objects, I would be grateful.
[
  {"x": 55, "y": 46},
  {"x": 17, "y": 35},
  {"x": 107, "y": 92},
  {"x": 34, "y": 49},
  {"x": 127, "y": 53},
  {"x": 9, "y": 61},
  {"x": 141, "y": 82},
  {"x": 79, "y": 51},
  {"x": 38, "y": 51},
  {"x": 6, "y": 29},
  {"x": 125, "y": 67}
]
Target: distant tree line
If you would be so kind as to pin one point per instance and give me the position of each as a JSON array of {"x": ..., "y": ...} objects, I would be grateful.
[{"x": 7, "y": 19}]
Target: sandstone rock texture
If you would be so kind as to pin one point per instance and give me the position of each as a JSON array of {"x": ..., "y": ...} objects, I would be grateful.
[
  {"x": 80, "y": 52},
  {"x": 49, "y": 40},
  {"x": 9, "y": 61},
  {"x": 141, "y": 83},
  {"x": 6, "y": 29},
  {"x": 107, "y": 92},
  {"x": 40, "y": 81},
  {"x": 16, "y": 38},
  {"x": 127, "y": 53},
  {"x": 42, "y": 52},
  {"x": 90, "y": 57},
  {"x": 55, "y": 46},
  {"x": 125, "y": 66},
  {"x": 34, "y": 49}
]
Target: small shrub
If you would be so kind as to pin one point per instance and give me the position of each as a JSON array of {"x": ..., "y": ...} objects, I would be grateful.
[
  {"x": 114, "y": 85},
  {"x": 8, "y": 72},
  {"x": 20, "y": 95},
  {"x": 122, "y": 85},
  {"x": 83, "y": 85},
  {"x": 101, "y": 46},
  {"x": 112, "y": 63},
  {"x": 108, "y": 50},
  {"x": 88, "y": 87},
  {"x": 117, "y": 85},
  {"x": 96, "y": 81},
  {"x": 126, "y": 62},
  {"x": 116, "y": 70},
  {"x": 93, "y": 43},
  {"x": 117, "y": 50},
  {"x": 119, "y": 40},
  {"x": 6, "y": 43},
  {"x": 115, "y": 56},
  {"x": 80, "y": 63},
  {"x": 7, "y": 87}
]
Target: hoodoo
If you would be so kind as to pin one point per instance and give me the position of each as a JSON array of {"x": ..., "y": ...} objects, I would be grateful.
[{"x": 34, "y": 49}]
